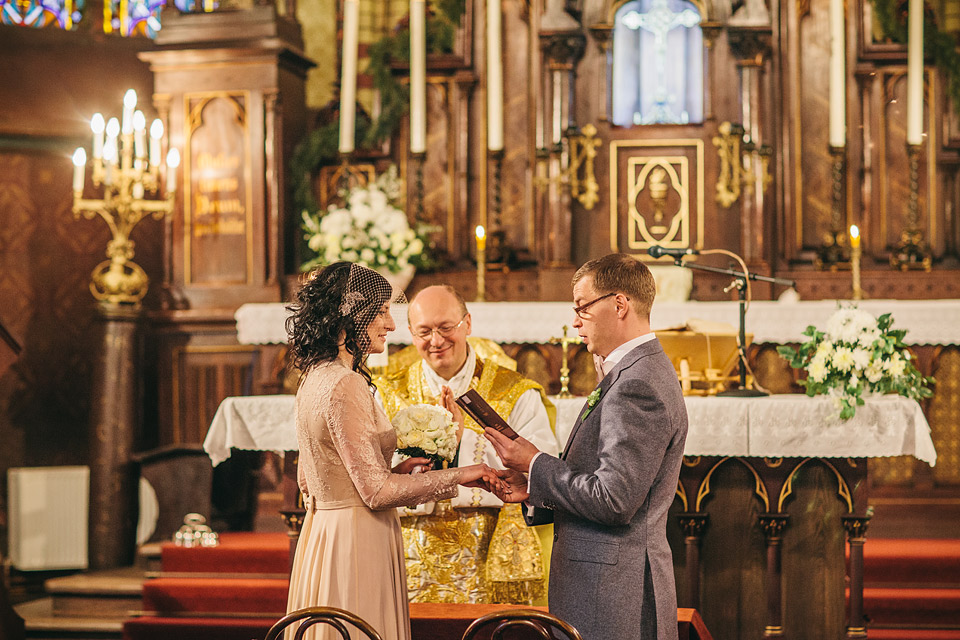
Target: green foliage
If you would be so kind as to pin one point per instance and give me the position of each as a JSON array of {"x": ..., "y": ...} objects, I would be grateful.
[
  {"x": 857, "y": 355},
  {"x": 941, "y": 46}
]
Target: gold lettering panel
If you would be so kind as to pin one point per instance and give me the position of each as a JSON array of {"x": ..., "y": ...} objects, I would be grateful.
[
  {"x": 218, "y": 230},
  {"x": 656, "y": 194}
]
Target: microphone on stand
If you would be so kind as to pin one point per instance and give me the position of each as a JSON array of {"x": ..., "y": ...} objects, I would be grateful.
[{"x": 657, "y": 251}]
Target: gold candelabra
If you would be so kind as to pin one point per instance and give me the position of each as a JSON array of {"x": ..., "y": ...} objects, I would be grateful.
[
  {"x": 127, "y": 170},
  {"x": 564, "y": 342},
  {"x": 739, "y": 157}
]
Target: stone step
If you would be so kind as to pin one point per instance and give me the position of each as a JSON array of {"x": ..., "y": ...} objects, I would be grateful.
[{"x": 43, "y": 623}]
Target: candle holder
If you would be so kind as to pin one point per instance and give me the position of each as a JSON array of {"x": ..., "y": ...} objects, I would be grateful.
[
  {"x": 739, "y": 159},
  {"x": 496, "y": 236},
  {"x": 912, "y": 252},
  {"x": 831, "y": 254},
  {"x": 564, "y": 342},
  {"x": 122, "y": 167}
]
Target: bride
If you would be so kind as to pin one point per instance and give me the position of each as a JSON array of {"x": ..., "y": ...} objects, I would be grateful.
[{"x": 350, "y": 551}]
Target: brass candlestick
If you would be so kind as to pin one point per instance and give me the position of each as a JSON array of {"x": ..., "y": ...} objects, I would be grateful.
[
  {"x": 481, "y": 263},
  {"x": 912, "y": 252},
  {"x": 564, "y": 342},
  {"x": 121, "y": 164}
]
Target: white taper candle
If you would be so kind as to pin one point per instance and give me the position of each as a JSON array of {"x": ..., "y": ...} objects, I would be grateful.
[
  {"x": 418, "y": 76},
  {"x": 348, "y": 74}
]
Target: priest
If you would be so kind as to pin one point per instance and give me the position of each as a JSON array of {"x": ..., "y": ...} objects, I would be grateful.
[{"x": 470, "y": 549}]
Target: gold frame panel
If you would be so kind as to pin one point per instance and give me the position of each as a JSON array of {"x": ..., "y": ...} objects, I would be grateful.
[
  {"x": 679, "y": 182},
  {"x": 191, "y": 122}
]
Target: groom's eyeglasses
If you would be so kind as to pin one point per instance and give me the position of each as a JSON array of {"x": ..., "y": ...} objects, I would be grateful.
[
  {"x": 444, "y": 330},
  {"x": 579, "y": 310}
]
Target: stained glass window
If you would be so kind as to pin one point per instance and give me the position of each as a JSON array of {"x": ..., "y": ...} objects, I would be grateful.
[
  {"x": 63, "y": 14},
  {"x": 657, "y": 63}
]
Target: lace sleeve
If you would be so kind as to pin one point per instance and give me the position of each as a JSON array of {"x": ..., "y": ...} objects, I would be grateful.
[{"x": 353, "y": 422}]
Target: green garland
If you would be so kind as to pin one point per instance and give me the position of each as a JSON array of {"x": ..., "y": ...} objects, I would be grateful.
[
  {"x": 892, "y": 18},
  {"x": 394, "y": 97}
]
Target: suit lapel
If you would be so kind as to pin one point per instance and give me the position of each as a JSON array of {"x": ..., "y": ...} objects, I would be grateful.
[{"x": 608, "y": 381}]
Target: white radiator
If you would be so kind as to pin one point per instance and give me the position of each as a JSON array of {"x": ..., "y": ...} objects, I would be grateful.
[{"x": 47, "y": 509}]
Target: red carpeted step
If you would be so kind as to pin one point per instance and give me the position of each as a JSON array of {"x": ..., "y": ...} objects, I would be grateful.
[
  {"x": 907, "y": 561},
  {"x": 197, "y": 628},
  {"x": 238, "y": 552},
  {"x": 921, "y": 607},
  {"x": 913, "y": 634},
  {"x": 206, "y": 596}
]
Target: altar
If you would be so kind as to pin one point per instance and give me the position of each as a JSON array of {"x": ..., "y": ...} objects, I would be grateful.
[{"x": 770, "y": 489}]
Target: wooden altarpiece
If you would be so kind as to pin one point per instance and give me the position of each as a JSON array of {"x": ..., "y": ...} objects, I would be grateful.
[{"x": 229, "y": 87}]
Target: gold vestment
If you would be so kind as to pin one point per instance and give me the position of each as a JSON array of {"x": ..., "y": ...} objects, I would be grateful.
[{"x": 471, "y": 554}]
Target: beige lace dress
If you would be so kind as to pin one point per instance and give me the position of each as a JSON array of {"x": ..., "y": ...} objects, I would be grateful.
[{"x": 350, "y": 552}]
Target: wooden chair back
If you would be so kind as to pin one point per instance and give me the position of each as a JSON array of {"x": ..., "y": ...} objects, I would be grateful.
[
  {"x": 540, "y": 624},
  {"x": 332, "y": 616}
]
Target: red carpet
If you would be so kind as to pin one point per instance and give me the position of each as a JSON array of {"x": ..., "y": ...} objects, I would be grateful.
[
  {"x": 912, "y": 589},
  {"x": 266, "y": 553}
]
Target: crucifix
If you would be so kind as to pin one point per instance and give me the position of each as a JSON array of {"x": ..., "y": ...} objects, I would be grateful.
[
  {"x": 660, "y": 20},
  {"x": 564, "y": 342}
]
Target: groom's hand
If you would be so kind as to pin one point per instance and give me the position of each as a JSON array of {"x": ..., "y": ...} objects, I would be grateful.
[
  {"x": 515, "y": 454},
  {"x": 512, "y": 486}
]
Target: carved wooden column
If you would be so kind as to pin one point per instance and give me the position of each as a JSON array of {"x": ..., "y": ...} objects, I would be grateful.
[
  {"x": 751, "y": 45},
  {"x": 773, "y": 525},
  {"x": 561, "y": 51},
  {"x": 856, "y": 527},
  {"x": 114, "y": 423},
  {"x": 692, "y": 525}
]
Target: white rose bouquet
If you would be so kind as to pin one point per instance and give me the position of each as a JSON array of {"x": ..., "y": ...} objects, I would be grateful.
[
  {"x": 426, "y": 431},
  {"x": 856, "y": 355},
  {"x": 368, "y": 229}
]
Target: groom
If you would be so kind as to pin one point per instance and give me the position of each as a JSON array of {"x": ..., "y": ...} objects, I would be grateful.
[{"x": 608, "y": 493}]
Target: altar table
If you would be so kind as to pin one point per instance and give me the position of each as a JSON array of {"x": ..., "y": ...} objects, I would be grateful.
[{"x": 773, "y": 426}]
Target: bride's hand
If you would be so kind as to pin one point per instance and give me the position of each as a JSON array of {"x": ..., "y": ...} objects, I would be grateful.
[
  {"x": 480, "y": 476},
  {"x": 448, "y": 402},
  {"x": 413, "y": 465}
]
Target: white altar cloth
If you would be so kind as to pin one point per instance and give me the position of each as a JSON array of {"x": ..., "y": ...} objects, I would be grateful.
[
  {"x": 926, "y": 321},
  {"x": 774, "y": 426}
]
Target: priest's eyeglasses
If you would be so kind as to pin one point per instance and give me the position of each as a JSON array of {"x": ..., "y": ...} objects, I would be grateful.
[
  {"x": 444, "y": 330},
  {"x": 586, "y": 305}
]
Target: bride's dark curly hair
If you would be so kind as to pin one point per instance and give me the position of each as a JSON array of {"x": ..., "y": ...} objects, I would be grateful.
[{"x": 323, "y": 311}]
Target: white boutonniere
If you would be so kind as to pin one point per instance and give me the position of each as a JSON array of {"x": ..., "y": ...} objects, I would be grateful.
[{"x": 592, "y": 401}]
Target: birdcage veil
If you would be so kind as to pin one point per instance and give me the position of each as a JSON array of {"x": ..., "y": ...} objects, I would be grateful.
[{"x": 363, "y": 297}]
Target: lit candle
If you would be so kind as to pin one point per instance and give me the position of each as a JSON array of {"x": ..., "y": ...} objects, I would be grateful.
[
  {"x": 139, "y": 134},
  {"x": 348, "y": 74},
  {"x": 418, "y": 76},
  {"x": 481, "y": 263},
  {"x": 494, "y": 78},
  {"x": 915, "y": 72},
  {"x": 129, "y": 104},
  {"x": 156, "y": 133},
  {"x": 838, "y": 85},
  {"x": 173, "y": 161},
  {"x": 97, "y": 125},
  {"x": 855, "y": 261},
  {"x": 113, "y": 130},
  {"x": 854, "y": 236},
  {"x": 79, "y": 164}
]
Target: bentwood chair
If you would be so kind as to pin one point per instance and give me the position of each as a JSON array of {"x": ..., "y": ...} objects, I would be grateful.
[
  {"x": 521, "y": 623},
  {"x": 336, "y": 618}
]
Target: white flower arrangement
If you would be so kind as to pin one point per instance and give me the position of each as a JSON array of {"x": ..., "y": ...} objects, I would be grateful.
[
  {"x": 369, "y": 229},
  {"x": 426, "y": 431},
  {"x": 857, "y": 355}
]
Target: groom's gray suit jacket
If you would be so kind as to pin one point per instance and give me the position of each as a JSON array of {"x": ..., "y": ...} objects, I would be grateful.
[{"x": 611, "y": 573}]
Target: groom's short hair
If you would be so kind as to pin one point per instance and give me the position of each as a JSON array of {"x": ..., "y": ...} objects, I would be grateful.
[{"x": 620, "y": 273}]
